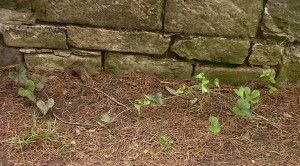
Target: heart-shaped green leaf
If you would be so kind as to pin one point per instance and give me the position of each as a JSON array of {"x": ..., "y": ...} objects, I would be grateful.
[
  {"x": 19, "y": 75},
  {"x": 44, "y": 107},
  {"x": 106, "y": 118},
  {"x": 157, "y": 99}
]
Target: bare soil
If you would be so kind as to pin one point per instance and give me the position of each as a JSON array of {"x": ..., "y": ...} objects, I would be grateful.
[{"x": 271, "y": 138}]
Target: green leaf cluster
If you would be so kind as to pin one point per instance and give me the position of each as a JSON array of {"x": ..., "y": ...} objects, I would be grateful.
[
  {"x": 19, "y": 76},
  {"x": 214, "y": 125},
  {"x": 271, "y": 78},
  {"x": 156, "y": 100},
  {"x": 246, "y": 99},
  {"x": 37, "y": 82},
  {"x": 166, "y": 145}
]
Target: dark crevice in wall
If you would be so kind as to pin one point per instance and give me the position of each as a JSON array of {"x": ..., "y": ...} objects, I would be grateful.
[
  {"x": 67, "y": 40},
  {"x": 163, "y": 15},
  {"x": 169, "y": 53},
  {"x": 39, "y": 22},
  {"x": 246, "y": 62},
  {"x": 194, "y": 70},
  {"x": 259, "y": 33},
  {"x": 102, "y": 60}
]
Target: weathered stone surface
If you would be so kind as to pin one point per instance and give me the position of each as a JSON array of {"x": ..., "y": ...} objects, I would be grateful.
[
  {"x": 232, "y": 51},
  {"x": 214, "y": 17},
  {"x": 121, "y": 41},
  {"x": 121, "y": 64},
  {"x": 233, "y": 76},
  {"x": 10, "y": 56},
  {"x": 134, "y": 14},
  {"x": 282, "y": 20},
  {"x": 15, "y": 17},
  {"x": 289, "y": 75},
  {"x": 266, "y": 55},
  {"x": 35, "y": 36},
  {"x": 20, "y": 5},
  {"x": 52, "y": 62},
  {"x": 86, "y": 52},
  {"x": 27, "y": 50},
  {"x": 63, "y": 53}
]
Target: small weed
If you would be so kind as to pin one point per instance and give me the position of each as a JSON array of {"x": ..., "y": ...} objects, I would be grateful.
[
  {"x": 166, "y": 145},
  {"x": 246, "y": 99},
  {"x": 28, "y": 90},
  {"x": 40, "y": 80},
  {"x": 106, "y": 118},
  {"x": 19, "y": 76},
  {"x": 36, "y": 83},
  {"x": 156, "y": 101},
  {"x": 45, "y": 106},
  {"x": 271, "y": 78},
  {"x": 214, "y": 126}
]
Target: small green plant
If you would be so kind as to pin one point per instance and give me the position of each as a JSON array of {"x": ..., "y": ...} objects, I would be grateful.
[
  {"x": 271, "y": 78},
  {"x": 40, "y": 80},
  {"x": 214, "y": 125},
  {"x": 139, "y": 104},
  {"x": 156, "y": 101},
  {"x": 106, "y": 118},
  {"x": 246, "y": 99},
  {"x": 19, "y": 76},
  {"x": 28, "y": 90},
  {"x": 36, "y": 83},
  {"x": 166, "y": 145},
  {"x": 203, "y": 85},
  {"x": 45, "y": 106},
  {"x": 180, "y": 90}
]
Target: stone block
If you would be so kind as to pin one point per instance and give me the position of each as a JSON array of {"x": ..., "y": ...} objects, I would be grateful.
[
  {"x": 282, "y": 20},
  {"x": 213, "y": 49},
  {"x": 119, "y": 41},
  {"x": 233, "y": 76},
  {"x": 131, "y": 14},
  {"x": 16, "y": 17},
  {"x": 10, "y": 56},
  {"x": 121, "y": 64},
  {"x": 266, "y": 55},
  {"x": 289, "y": 75},
  {"x": 35, "y": 36},
  {"x": 50, "y": 62},
  {"x": 235, "y": 18}
]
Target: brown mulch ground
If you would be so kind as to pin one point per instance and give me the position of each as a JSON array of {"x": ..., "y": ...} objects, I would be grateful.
[{"x": 272, "y": 138}]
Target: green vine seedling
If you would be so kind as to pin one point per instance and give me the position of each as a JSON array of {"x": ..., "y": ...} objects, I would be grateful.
[
  {"x": 246, "y": 99},
  {"x": 271, "y": 78},
  {"x": 214, "y": 126},
  {"x": 45, "y": 106},
  {"x": 28, "y": 91},
  {"x": 40, "y": 81},
  {"x": 19, "y": 76},
  {"x": 156, "y": 101},
  {"x": 166, "y": 145}
]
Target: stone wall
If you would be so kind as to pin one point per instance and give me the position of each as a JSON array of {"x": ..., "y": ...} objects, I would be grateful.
[{"x": 230, "y": 39}]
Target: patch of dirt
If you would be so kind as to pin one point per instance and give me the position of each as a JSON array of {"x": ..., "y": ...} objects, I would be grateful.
[{"x": 272, "y": 138}]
